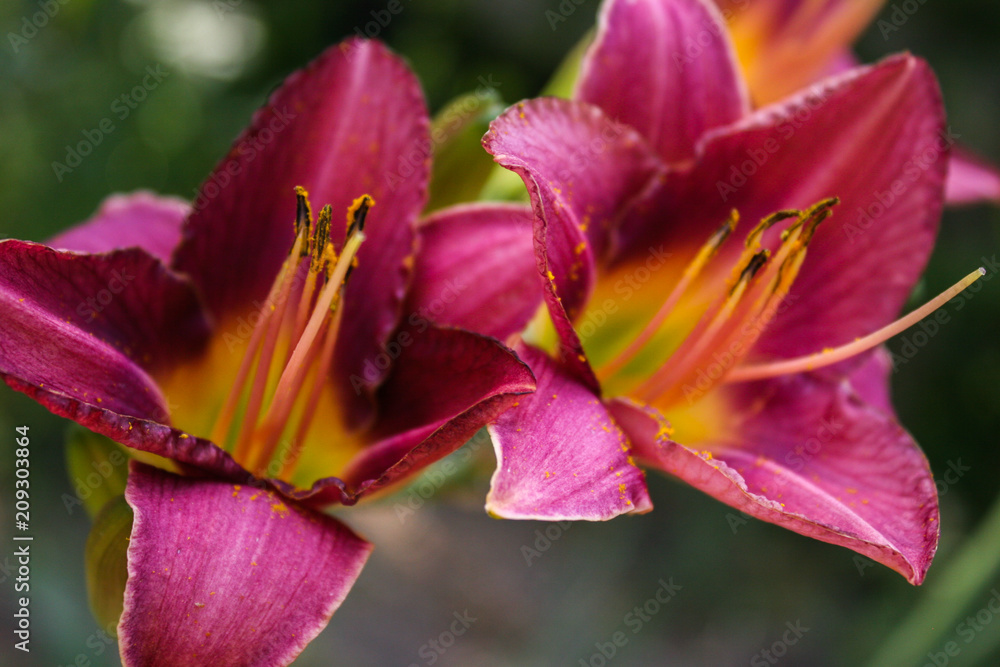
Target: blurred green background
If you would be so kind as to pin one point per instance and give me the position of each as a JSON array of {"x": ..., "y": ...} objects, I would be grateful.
[{"x": 741, "y": 583}]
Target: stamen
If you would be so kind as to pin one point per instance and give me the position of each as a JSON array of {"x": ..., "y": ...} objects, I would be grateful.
[
  {"x": 357, "y": 212},
  {"x": 828, "y": 357},
  {"x": 319, "y": 383},
  {"x": 265, "y": 438},
  {"x": 691, "y": 271},
  {"x": 303, "y": 211},
  {"x": 220, "y": 431},
  {"x": 756, "y": 287},
  {"x": 683, "y": 361},
  {"x": 310, "y": 329}
]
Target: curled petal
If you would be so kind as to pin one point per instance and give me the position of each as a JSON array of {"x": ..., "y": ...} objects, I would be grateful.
[
  {"x": 560, "y": 455},
  {"x": 140, "y": 219},
  {"x": 813, "y": 457},
  {"x": 93, "y": 328},
  {"x": 446, "y": 385},
  {"x": 582, "y": 171},
  {"x": 228, "y": 575}
]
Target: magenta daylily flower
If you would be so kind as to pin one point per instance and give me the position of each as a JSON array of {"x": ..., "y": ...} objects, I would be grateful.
[
  {"x": 265, "y": 355},
  {"x": 672, "y": 224},
  {"x": 785, "y": 45}
]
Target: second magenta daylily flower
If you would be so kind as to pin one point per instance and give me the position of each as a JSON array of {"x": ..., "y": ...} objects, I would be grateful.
[
  {"x": 696, "y": 256},
  {"x": 784, "y": 45},
  {"x": 264, "y": 353}
]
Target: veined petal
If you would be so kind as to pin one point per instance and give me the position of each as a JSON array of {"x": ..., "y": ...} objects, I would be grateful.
[
  {"x": 353, "y": 122},
  {"x": 445, "y": 385},
  {"x": 870, "y": 380},
  {"x": 812, "y": 456},
  {"x": 560, "y": 455},
  {"x": 94, "y": 328},
  {"x": 784, "y": 45},
  {"x": 667, "y": 68},
  {"x": 476, "y": 269},
  {"x": 875, "y": 138},
  {"x": 140, "y": 219},
  {"x": 971, "y": 180},
  {"x": 582, "y": 171},
  {"x": 228, "y": 575}
]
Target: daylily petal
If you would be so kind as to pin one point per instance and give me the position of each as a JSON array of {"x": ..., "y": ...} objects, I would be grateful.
[
  {"x": 971, "y": 180},
  {"x": 872, "y": 137},
  {"x": 94, "y": 327},
  {"x": 582, "y": 170},
  {"x": 785, "y": 45},
  {"x": 445, "y": 385},
  {"x": 352, "y": 122},
  {"x": 667, "y": 69},
  {"x": 870, "y": 380},
  {"x": 476, "y": 269},
  {"x": 560, "y": 455},
  {"x": 813, "y": 457},
  {"x": 228, "y": 575},
  {"x": 141, "y": 219}
]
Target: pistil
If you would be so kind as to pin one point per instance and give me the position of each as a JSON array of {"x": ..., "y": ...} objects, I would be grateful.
[{"x": 811, "y": 362}]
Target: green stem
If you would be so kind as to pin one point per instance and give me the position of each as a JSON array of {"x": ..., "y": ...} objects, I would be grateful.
[{"x": 965, "y": 576}]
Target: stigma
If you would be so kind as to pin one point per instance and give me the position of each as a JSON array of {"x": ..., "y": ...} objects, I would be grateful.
[
  {"x": 269, "y": 410},
  {"x": 747, "y": 302}
]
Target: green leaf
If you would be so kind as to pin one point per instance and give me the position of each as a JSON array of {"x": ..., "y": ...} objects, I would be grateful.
[
  {"x": 106, "y": 562},
  {"x": 97, "y": 468},
  {"x": 461, "y": 166}
]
